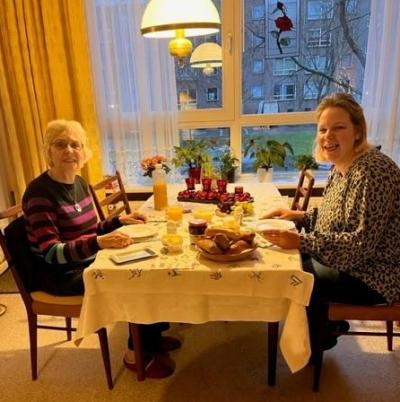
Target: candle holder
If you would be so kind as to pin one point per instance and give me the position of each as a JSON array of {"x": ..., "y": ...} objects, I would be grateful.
[
  {"x": 238, "y": 189},
  {"x": 206, "y": 182},
  {"x": 221, "y": 185},
  {"x": 190, "y": 183}
]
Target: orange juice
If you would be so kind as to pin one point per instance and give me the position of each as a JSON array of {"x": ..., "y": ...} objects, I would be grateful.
[
  {"x": 160, "y": 196},
  {"x": 203, "y": 213},
  {"x": 175, "y": 213}
]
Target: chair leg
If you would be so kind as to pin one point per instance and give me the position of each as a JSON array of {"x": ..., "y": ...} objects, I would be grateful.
[
  {"x": 32, "y": 322},
  {"x": 273, "y": 330},
  {"x": 105, "y": 352},
  {"x": 139, "y": 358},
  {"x": 389, "y": 330},
  {"x": 68, "y": 324},
  {"x": 318, "y": 353}
]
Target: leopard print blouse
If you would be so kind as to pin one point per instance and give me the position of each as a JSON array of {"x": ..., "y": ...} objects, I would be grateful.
[{"x": 357, "y": 228}]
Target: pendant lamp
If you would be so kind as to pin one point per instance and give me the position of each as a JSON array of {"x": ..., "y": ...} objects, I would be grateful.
[
  {"x": 207, "y": 56},
  {"x": 180, "y": 19}
]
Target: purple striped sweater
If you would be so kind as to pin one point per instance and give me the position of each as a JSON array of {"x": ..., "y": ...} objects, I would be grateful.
[{"x": 56, "y": 230}]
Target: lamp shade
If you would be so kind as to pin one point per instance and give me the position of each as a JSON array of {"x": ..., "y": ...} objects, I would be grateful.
[
  {"x": 162, "y": 18},
  {"x": 208, "y": 54}
]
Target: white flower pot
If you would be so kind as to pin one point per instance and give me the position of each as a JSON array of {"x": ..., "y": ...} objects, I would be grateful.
[{"x": 264, "y": 176}]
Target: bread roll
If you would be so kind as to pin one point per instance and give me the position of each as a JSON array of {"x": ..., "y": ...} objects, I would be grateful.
[
  {"x": 222, "y": 241},
  {"x": 231, "y": 234},
  {"x": 209, "y": 246},
  {"x": 247, "y": 236},
  {"x": 238, "y": 247}
]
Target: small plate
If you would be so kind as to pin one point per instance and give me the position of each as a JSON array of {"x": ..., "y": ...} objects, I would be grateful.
[
  {"x": 138, "y": 231},
  {"x": 226, "y": 257},
  {"x": 266, "y": 224}
]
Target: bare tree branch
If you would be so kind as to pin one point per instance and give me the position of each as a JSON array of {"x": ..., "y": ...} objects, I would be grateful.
[{"x": 347, "y": 35}]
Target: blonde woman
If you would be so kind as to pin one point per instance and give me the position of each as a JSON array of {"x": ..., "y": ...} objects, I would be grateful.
[
  {"x": 353, "y": 239},
  {"x": 64, "y": 233}
]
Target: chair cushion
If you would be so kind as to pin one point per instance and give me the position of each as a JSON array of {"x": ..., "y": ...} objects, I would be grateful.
[{"x": 44, "y": 297}]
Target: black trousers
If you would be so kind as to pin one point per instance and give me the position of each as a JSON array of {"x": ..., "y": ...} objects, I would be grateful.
[{"x": 331, "y": 285}]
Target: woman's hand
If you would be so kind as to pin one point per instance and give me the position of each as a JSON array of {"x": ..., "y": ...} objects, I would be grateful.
[
  {"x": 284, "y": 213},
  {"x": 114, "y": 240},
  {"x": 287, "y": 239},
  {"x": 133, "y": 218}
]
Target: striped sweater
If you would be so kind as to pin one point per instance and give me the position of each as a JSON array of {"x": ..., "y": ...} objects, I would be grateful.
[{"x": 56, "y": 230}]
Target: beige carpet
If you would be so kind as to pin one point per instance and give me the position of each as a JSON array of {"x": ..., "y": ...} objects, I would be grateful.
[{"x": 219, "y": 362}]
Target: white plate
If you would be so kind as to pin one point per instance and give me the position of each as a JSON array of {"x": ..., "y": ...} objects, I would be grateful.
[
  {"x": 138, "y": 231},
  {"x": 266, "y": 224}
]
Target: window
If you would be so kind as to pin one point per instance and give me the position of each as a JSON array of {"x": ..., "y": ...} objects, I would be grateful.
[
  {"x": 257, "y": 92},
  {"x": 284, "y": 92},
  {"x": 313, "y": 91},
  {"x": 212, "y": 94},
  {"x": 351, "y": 7},
  {"x": 318, "y": 63},
  {"x": 285, "y": 66},
  {"x": 258, "y": 66},
  {"x": 319, "y": 9},
  {"x": 346, "y": 61},
  {"x": 187, "y": 99},
  {"x": 257, "y": 12},
  {"x": 317, "y": 38}
]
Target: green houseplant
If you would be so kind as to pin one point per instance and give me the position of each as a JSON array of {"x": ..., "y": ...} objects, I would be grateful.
[
  {"x": 228, "y": 164},
  {"x": 305, "y": 161},
  {"x": 191, "y": 154},
  {"x": 267, "y": 153}
]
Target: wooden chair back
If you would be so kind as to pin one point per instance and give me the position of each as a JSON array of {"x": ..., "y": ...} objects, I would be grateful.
[
  {"x": 341, "y": 311},
  {"x": 16, "y": 248},
  {"x": 303, "y": 191},
  {"x": 107, "y": 197}
]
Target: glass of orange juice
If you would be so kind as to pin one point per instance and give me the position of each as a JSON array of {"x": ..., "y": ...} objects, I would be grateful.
[{"x": 174, "y": 213}]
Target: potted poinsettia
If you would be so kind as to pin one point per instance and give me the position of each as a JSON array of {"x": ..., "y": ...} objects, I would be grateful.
[
  {"x": 266, "y": 154},
  {"x": 192, "y": 154},
  {"x": 228, "y": 164}
]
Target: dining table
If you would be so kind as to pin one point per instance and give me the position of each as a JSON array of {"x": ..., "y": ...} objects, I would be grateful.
[{"x": 186, "y": 287}]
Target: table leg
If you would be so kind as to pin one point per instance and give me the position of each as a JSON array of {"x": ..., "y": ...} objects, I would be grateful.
[
  {"x": 137, "y": 346},
  {"x": 273, "y": 330}
]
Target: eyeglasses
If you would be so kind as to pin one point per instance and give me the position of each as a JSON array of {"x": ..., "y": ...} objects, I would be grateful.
[{"x": 61, "y": 145}]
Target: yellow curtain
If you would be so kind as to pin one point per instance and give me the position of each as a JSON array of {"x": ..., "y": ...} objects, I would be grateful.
[{"x": 45, "y": 74}]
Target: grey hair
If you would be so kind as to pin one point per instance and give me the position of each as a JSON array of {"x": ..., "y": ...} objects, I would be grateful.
[{"x": 57, "y": 127}]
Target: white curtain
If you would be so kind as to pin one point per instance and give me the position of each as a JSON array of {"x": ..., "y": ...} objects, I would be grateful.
[
  {"x": 381, "y": 93},
  {"x": 135, "y": 87}
]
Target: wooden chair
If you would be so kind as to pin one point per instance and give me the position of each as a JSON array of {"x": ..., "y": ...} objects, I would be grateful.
[
  {"x": 303, "y": 192},
  {"x": 16, "y": 249},
  {"x": 339, "y": 311},
  {"x": 103, "y": 200}
]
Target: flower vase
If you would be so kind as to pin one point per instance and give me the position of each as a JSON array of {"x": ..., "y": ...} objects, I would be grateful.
[
  {"x": 195, "y": 173},
  {"x": 264, "y": 175}
]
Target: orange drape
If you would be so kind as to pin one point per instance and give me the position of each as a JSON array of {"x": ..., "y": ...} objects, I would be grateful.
[{"x": 45, "y": 74}]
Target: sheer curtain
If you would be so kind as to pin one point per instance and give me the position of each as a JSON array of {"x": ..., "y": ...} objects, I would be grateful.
[
  {"x": 381, "y": 94},
  {"x": 135, "y": 87}
]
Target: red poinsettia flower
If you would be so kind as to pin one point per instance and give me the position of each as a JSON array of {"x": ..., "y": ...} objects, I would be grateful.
[{"x": 284, "y": 23}]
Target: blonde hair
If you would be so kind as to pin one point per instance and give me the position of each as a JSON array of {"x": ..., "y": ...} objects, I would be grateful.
[
  {"x": 356, "y": 114},
  {"x": 56, "y": 128}
]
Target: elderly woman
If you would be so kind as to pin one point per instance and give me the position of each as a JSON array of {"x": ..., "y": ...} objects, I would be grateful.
[
  {"x": 62, "y": 225},
  {"x": 353, "y": 239}
]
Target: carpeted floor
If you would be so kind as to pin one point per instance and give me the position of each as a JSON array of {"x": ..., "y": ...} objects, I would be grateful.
[{"x": 218, "y": 362}]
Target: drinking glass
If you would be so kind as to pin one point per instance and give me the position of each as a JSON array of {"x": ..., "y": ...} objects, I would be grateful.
[
  {"x": 190, "y": 183},
  {"x": 174, "y": 213},
  {"x": 222, "y": 184},
  {"x": 206, "y": 182}
]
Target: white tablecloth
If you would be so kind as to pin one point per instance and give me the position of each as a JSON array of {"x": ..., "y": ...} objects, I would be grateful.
[{"x": 186, "y": 287}]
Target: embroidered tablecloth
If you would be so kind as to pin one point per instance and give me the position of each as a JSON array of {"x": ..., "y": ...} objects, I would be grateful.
[{"x": 186, "y": 287}]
